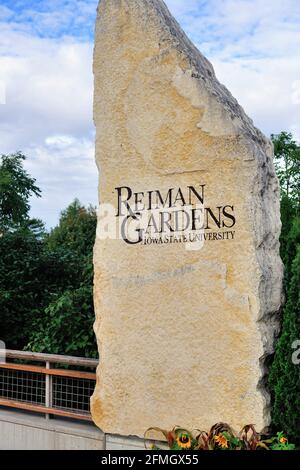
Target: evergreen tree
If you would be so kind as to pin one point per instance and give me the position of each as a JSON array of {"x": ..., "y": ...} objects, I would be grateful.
[
  {"x": 285, "y": 374},
  {"x": 287, "y": 163}
]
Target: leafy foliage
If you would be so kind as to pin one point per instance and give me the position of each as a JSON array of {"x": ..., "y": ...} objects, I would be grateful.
[
  {"x": 16, "y": 187},
  {"x": 280, "y": 442},
  {"x": 220, "y": 437},
  {"x": 46, "y": 300},
  {"x": 284, "y": 376},
  {"x": 287, "y": 162},
  {"x": 290, "y": 233},
  {"x": 66, "y": 326},
  {"x": 76, "y": 229},
  {"x": 29, "y": 274}
]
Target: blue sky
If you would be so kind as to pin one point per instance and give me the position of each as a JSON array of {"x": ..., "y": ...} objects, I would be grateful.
[
  {"x": 51, "y": 19},
  {"x": 47, "y": 84}
]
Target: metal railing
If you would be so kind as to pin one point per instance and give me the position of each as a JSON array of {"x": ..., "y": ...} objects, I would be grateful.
[{"x": 56, "y": 385}]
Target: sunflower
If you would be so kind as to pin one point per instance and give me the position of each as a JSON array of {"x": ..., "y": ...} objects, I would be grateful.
[
  {"x": 184, "y": 441},
  {"x": 283, "y": 440},
  {"x": 222, "y": 441}
]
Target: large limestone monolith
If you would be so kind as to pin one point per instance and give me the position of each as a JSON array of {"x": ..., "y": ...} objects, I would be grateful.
[{"x": 187, "y": 295}]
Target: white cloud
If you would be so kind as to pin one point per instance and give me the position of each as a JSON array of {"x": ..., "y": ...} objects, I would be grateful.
[
  {"x": 254, "y": 46},
  {"x": 181, "y": 9},
  {"x": 46, "y": 65},
  {"x": 48, "y": 115},
  {"x": 265, "y": 89},
  {"x": 66, "y": 170}
]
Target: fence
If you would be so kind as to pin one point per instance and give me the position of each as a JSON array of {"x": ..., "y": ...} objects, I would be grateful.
[{"x": 48, "y": 386}]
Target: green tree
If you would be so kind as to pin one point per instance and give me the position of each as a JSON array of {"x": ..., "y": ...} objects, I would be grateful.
[
  {"x": 29, "y": 276},
  {"x": 290, "y": 247},
  {"x": 23, "y": 264},
  {"x": 66, "y": 326},
  {"x": 46, "y": 299},
  {"x": 16, "y": 187},
  {"x": 287, "y": 163},
  {"x": 76, "y": 229},
  {"x": 285, "y": 374}
]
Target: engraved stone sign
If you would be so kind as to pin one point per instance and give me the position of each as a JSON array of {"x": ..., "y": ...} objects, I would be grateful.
[{"x": 188, "y": 278}]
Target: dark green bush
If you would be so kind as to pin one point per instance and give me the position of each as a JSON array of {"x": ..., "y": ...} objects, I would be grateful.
[{"x": 285, "y": 374}]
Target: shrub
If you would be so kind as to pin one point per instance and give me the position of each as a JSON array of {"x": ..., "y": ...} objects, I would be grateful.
[
  {"x": 220, "y": 437},
  {"x": 285, "y": 375}
]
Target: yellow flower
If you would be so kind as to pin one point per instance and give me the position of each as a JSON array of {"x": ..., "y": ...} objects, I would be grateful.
[
  {"x": 283, "y": 440},
  {"x": 184, "y": 441},
  {"x": 222, "y": 441}
]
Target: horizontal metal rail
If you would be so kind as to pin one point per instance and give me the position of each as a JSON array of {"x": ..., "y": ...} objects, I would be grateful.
[
  {"x": 53, "y": 358},
  {"x": 47, "y": 389},
  {"x": 42, "y": 370},
  {"x": 43, "y": 409}
]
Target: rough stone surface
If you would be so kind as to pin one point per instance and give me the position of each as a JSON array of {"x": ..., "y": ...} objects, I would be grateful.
[{"x": 184, "y": 335}]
